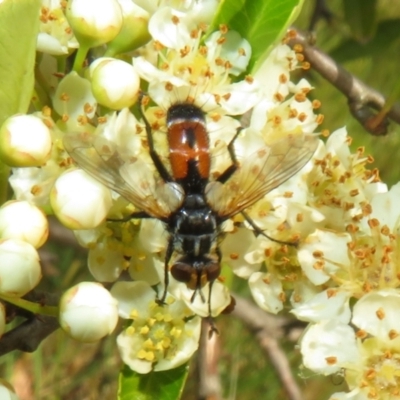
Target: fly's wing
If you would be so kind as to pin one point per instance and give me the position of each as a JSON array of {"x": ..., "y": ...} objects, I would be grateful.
[
  {"x": 259, "y": 173},
  {"x": 132, "y": 178}
]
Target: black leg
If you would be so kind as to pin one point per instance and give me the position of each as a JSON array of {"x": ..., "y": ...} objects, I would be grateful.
[
  {"x": 210, "y": 319},
  {"x": 218, "y": 253},
  {"x": 137, "y": 215},
  {"x": 168, "y": 255},
  {"x": 153, "y": 154},
  {"x": 235, "y": 165},
  {"x": 259, "y": 231}
]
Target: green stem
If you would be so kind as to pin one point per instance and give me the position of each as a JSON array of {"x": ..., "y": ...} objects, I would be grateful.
[
  {"x": 4, "y": 175},
  {"x": 80, "y": 58},
  {"x": 34, "y": 308},
  {"x": 36, "y": 102}
]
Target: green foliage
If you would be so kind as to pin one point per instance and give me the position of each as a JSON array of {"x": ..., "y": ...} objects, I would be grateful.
[
  {"x": 165, "y": 385},
  {"x": 261, "y": 22},
  {"x": 19, "y": 24},
  {"x": 387, "y": 32},
  {"x": 361, "y": 17},
  {"x": 373, "y": 57}
]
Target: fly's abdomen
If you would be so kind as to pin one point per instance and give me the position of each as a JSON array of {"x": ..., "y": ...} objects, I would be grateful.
[{"x": 188, "y": 143}]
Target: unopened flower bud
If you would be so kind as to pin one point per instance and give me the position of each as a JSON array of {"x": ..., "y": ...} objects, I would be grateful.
[
  {"x": 19, "y": 267},
  {"x": 115, "y": 83},
  {"x": 79, "y": 201},
  {"x": 134, "y": 32},
  {"x": 7, "y": 391},
  {"x": 25, "y": 141},
  {"x": 24, "y": 221},
  {"x": 88, "y": 312},
  {"x": 94, "y": 22}
]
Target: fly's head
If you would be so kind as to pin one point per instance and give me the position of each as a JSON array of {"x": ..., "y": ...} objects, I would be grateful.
[{"x": 196, "y": 271}]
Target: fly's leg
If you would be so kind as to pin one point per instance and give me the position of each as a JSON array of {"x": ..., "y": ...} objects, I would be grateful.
[
  {"x": 210, "y": 319},
  {"x": 168, "y": 255},
  {"x": 259, "y": 231},
  {"x": 235, "y": 164},
  {"x": 152, "y": 151},
  {"x": 134, "y": 215}
]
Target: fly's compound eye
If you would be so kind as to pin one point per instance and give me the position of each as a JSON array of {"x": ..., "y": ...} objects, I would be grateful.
[
  {"x": 182, "y": 272},
  {"x": 197, "y": 273},
  {"x": 212, "y": 270}
]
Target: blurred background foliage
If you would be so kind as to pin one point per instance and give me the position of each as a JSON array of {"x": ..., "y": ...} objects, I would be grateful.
[{"x": 364, "y": 37}]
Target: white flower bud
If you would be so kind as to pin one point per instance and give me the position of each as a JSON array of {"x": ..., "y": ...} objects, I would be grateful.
[
  {"x": 19, "y": 267},
  {"x": 23, "y": 220},
  {"x": 134, "y": 32},
  {"x": 88, "y": 312},
  {"x": 7, "y": 391},
  {"x": 115, "y": 83},
  {"x": 79, "y": 201},
  {"x": 25, "y": 141},
  {"x": 94, "y": 22}
]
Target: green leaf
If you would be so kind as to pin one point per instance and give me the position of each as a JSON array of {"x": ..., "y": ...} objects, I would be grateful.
[
  {"x": 164, "y": 385},
  {"x": 261, "y": 22},
  {"x": 361, "y": 17},
  {"x": 19, "y": 24},
  {"x": 387, "y": 32}
]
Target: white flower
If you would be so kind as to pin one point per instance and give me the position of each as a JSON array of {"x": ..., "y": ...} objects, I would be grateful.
[
  {"x": 385, "y": 208},
  {"x": 75, "y": 102},
  {"x": 88, "y": 312},
  {"x": 202, "y": 75},
  {"x": 377, "y": 314},
  {"x": 328, "y": 346},
  {"x": 330, "y": 304},
  {"x": 104, "y": 262},
  {"x": 159, "y": 337},
  {"x": 173, "y": 24},
  {"x": 239, "y": 250},
  {"x": 202, "y": 302},
  {"x": 146, "y": 265},
  {"x": 22, "y": 220},
  {"x": 25, "y": 141},
  {"x": 123, "y": 129},
  {"x": 267, "y": 292},
  {"x": 368, "y": 358},
  {"x": 34, "y": 184},
  {"x": 323, "y": 254},
  {"x": 55, "y": 35},
  {"x": 19, "y": 267}
]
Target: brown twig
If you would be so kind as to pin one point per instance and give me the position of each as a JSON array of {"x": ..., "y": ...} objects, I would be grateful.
[
  {"x": 267, "y": 329},
  {"x": 364, "y": 101},
  {"x": 60, "y": 234},
  {"x": 208, "y": 382},
  {"x": 28, "y": 335}
]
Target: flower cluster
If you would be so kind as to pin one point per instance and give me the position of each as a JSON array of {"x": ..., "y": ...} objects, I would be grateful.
[{"x": 332, "y": 227}]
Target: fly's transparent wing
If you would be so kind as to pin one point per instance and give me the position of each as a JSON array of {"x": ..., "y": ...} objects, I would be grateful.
[
  {"x": 259, "y": 173},
  {"x": 132, "y": 178}
]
